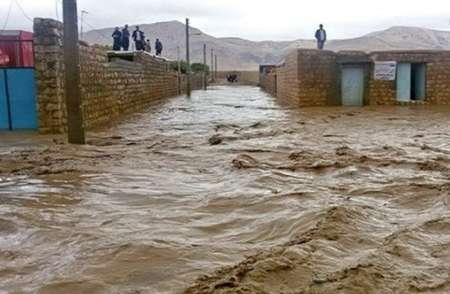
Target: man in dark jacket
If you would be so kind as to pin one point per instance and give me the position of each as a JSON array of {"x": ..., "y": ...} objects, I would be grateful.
[
  {"x": 158, "y": 47},
  {"x": 139, "y": 39},
  {"x": 321, "y": 37},
  {"x": 117, "y": 37},
  {"x": 125, "y": 38}
]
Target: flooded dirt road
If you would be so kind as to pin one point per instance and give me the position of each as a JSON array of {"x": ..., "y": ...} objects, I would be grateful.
[{"x": 261, "y": 197}]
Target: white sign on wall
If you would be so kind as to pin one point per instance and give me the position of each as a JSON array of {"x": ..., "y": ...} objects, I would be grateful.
[{"x": 385, "y": 71}]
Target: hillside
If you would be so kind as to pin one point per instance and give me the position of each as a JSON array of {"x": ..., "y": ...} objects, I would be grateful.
[{"x": 236, "y": 53}]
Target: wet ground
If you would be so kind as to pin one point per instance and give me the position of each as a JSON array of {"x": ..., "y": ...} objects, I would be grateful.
[{"x": 260, "y": 197}]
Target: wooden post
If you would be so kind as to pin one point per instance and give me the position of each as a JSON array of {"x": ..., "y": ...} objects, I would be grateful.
[
  {"x": 205, "y": 78},
  {"x": 75, "y": 126},
  {"x": 188, "y": 61}
]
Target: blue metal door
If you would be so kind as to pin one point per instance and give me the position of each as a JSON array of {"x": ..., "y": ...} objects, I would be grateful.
[
  {"x": 18, "y": 109},
  {"x": 404, "y": 82},
  {"x": 353, "y": 86},
  {"x": 4, "y": 108},
  {"x": 22, "y": 92}
]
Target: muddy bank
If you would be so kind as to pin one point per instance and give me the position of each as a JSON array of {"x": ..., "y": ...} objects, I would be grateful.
[{"x": 230, "y": 192}]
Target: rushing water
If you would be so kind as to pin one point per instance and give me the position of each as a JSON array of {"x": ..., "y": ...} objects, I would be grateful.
[{"x": 193, "y": 185}]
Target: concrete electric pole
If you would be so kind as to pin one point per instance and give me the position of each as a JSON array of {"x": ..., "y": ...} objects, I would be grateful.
[
  {"x": 57, "y": 9},
  {"x": 215, "y": 67},
  {"x": 205, "y": 77},
  {"x": 179, "y": 70},
  {"x": 212, "y": 65},
  {"x": 75, "y": 126},
  {"x": 83, "y": 13},
  {"x": 188, "y": 62}
]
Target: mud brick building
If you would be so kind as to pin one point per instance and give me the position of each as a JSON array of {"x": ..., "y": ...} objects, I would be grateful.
[
  {"x": 112, "y": 84},
  {"x": 351, "y": 78}
]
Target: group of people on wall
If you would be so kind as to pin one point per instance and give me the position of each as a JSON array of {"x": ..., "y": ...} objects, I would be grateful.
[{"x": 121, "y": 40}]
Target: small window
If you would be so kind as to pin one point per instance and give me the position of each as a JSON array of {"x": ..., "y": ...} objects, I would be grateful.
[{"x": 411, "y": 82}]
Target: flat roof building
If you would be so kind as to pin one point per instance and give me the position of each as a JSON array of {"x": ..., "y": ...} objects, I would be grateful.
[{"x": 352, "y": 78}]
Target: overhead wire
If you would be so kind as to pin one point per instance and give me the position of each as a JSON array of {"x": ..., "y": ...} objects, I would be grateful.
[
  {"x": 23, "y": 11},
  {"x": 11, "y": 4},
  {"x": 94, "y": 29},
  {"x": 8, "y": 15}
]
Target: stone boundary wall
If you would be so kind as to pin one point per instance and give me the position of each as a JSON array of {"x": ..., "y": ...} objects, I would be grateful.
[
  {"x": 313, "y": 77},
  {"x": 109, "y": 89}
]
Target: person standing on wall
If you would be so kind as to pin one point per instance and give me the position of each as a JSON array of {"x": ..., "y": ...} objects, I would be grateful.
[
  {"x": 321, "y": 37},
  {"x": 139, "y": 39},
  {"x": 125, "y": 38},
  {"x": 158, "y": 47},
  {"x": 147, "y": 46},
  {"x": 117, "y": 37}
]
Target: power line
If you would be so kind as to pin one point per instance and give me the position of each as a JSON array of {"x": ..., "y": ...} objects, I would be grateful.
[
  {"x": 23, "y": 11},
  {"x": 96, "y": 31},
  {"x": 8, "y": 15}
]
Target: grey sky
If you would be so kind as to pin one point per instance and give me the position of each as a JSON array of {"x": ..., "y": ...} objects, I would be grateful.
[{"x": 251, "y": 19}]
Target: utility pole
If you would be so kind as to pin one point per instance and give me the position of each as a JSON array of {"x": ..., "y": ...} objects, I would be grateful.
[
  {"x": 179, "y": 70},
  {"x": 75, "y": 126},
  {"x": 215, "y": 67},
  {"x": 212, "y": 65},
  {"x": 57, "y": 10},
  {"x": 188, "y": 61},
  {"x": 205, "y": 78},
  {"x": 83, "y": 12}
]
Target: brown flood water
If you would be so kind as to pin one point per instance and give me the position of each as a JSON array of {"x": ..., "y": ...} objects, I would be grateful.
[{"x": 324, "y": 200}]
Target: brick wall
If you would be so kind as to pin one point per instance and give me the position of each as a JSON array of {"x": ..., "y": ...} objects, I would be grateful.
[
  {"x": 306, "y": 78},
  {"x": 109, "y": 89},
  {"x": 316, "y": 77},
  {"x": 268, "y": 82},
  {"x": 287, "y": 80}
]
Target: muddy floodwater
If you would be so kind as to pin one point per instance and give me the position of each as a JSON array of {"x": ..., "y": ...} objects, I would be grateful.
[{"x": 232, "y": 192}]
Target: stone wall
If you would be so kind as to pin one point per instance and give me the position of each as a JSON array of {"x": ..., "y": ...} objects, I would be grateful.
[
  {"x": 49, "y": 65},
  {"x": 110, "y": 89},
  {"x": 313, "y": 77}
]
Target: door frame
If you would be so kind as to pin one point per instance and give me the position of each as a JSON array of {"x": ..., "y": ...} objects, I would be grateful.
[
  {"x": 403, "y": 82},
  {"x": 366, "y": 72}
]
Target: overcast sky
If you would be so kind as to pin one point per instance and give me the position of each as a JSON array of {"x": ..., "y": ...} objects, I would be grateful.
[{"x": 250, "y": 19}]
